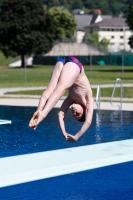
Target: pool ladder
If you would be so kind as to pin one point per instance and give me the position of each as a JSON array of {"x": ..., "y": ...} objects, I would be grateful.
[
  {"x": 111, "y": 98},
  {"x": 98, "y": 96}
]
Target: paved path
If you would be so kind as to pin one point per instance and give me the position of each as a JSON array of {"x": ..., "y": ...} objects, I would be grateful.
[
  {"x": 112, "y": 85},
  {"x": 32, "y": 100},
  {"x": 13, "y": 89}
]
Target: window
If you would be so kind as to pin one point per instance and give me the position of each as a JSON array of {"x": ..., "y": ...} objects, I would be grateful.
[
  {"x": 121, "y": 37},
  {"x": 112, "y": 36}
]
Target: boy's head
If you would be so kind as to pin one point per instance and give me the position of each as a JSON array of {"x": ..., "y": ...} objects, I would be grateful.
[{"x": 78, "y": 112}]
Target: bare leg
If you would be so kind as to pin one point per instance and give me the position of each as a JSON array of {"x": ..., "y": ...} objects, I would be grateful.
[
  {"x": 45, "y": 95},
  {"x": 52, "y": 85},
  {"x": 68, "y": 76}
]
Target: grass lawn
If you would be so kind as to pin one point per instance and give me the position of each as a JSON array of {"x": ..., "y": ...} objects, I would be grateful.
[
  {"x": 105, "y": 92},
  {"x": 39, "y": 75},
  {"x": 4, "y": 61}
]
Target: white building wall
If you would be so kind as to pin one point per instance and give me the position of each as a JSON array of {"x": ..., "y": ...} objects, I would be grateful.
[
  {"x": 75, "y": 49},
  {"x": 80, "y": 36},
  {"x": 98, "y": 19},
  {"x": 118, "y": 39}
]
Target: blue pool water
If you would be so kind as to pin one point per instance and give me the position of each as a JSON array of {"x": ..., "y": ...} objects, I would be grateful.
[
  {"x": 18, "y": 138},
  {"x": 106, "y": 183}
]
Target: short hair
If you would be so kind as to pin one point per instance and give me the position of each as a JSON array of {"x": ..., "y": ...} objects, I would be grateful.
[{"x": 82, "y": 119}]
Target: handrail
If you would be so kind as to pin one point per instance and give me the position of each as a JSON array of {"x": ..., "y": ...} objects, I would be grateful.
[
  {"x": 98, "y": 96},
  {"x": 119, "y": 106}
]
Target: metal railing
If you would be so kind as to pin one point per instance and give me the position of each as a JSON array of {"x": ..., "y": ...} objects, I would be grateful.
[
  {"x": 98, "y": 96},
  {"x": 111, "y": 98}
]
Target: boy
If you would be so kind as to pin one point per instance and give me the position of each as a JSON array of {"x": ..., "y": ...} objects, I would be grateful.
[{"x": 67, "y": 74}]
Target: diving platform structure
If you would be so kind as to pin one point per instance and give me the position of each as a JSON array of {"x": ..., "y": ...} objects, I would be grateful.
[
  {"x": 5, "y": 121},
  {"x": 36, "y": 166}
]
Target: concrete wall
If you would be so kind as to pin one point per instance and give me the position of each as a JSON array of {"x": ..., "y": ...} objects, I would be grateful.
[{"x": 65, "y": 49}]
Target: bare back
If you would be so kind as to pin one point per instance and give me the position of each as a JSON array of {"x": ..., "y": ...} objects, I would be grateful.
[{"x": 80, "y": 91}]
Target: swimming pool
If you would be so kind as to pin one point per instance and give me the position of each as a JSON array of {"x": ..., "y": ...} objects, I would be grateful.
[
  {"x": 18, "y": 138},
  {"x": 101, "y": 183}
]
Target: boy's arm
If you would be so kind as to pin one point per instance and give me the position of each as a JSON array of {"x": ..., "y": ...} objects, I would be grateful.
[
  {"x": 88, "y": 120},
  {"x": 61, "y": 115}
]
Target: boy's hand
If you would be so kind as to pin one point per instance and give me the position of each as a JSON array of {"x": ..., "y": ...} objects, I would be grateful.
[{"x": 71, "y": 138}]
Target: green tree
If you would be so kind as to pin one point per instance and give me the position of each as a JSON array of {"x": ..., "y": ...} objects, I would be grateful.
[
  {"x": 131, "y": 42},
  {"x": 129, "y": 21},
  {"x": 94, "y": 38},
  {"x": 53, "y": 3},
  {"x": 0, "y": 4},
  {"x": 24, "y": 28},
  {"x": 104, "y": 43},
  {"x": 64, "y": 24},
  {"x": 129, "y": 18},
  {"x": 77, "y": 4},
  {"x": 115, "y": 7}
]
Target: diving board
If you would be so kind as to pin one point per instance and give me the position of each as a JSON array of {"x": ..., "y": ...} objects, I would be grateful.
[
  {"x": 36, "y": 166},
  {"x": 5, "y": 121}
]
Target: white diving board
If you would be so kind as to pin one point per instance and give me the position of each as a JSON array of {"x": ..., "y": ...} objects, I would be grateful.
[
  {"x": 36, "y": 166},
  {"x": 5, "y": 121}
]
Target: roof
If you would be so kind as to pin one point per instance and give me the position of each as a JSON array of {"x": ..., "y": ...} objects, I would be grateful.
[
  {"x": 110, "y": 22},
  {"x": 82, "y": 21},
  {"x": 86, "y": 20}
]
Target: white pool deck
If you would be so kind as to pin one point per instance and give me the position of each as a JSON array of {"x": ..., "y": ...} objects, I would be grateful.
[
  {"x": 36, "y": 166},
  {"x": 34, "y": 102}
]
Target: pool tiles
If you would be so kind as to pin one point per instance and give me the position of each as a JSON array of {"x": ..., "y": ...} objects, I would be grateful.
[{"x": 36, "y": 166}]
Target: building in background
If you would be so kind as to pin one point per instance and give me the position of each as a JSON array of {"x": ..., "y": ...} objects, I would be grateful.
[
  {"x": 86, "y": 20},
  {"x": 114, "y": 29}
]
